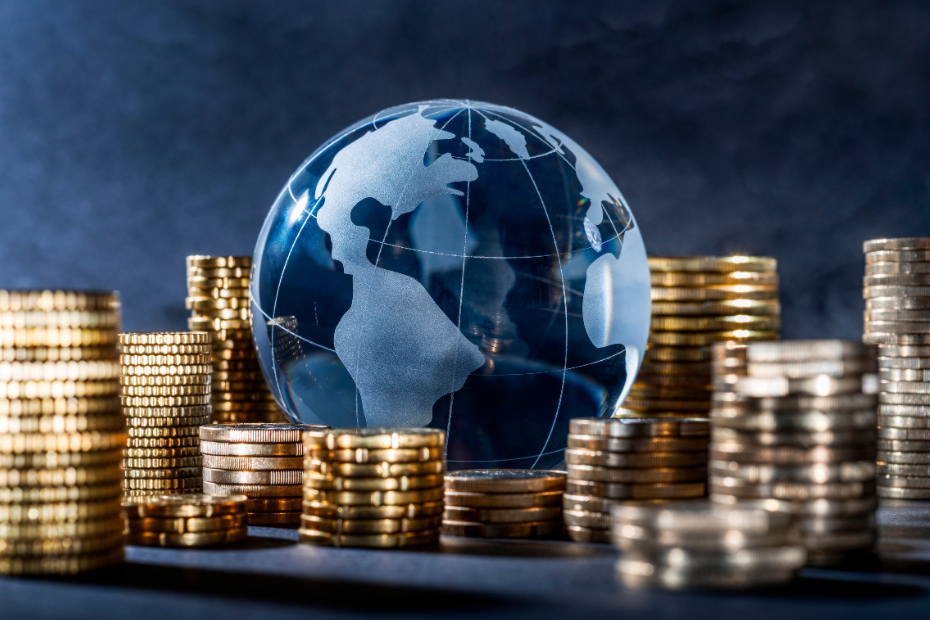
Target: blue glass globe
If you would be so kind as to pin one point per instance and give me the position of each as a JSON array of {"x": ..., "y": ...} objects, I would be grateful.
[{"x": 456, "y": 265}]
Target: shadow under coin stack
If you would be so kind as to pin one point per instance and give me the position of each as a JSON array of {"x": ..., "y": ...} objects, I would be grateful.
[
  {"x": 504, "y": 503},
  {"x": 612, "y": 460},
  {"x": 373, "y": 487},
  {"x": 166, "y": 397},
  {"x": 61, "y": 432},
  {"x": 697, "y": 301},
  {"x": 795, "y": 421},
  {"x": 897, "y": 319},
  {"x": 190, "y": 520},
  {"x": 218, "y": 298}
]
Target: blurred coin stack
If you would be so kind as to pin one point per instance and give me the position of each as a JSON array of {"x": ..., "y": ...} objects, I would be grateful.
[
  {"x": 373, "y": 487},
  {"x": 166, "y": 397},
  {"x": 218, "y": 298},
  {"x": 263, "y": 461},
  {"x": 190, "y": 520},
  {"x": 696, "y": 545},
  {"x": 612, "y": 460},
  {"x": 61, "y": 432},
  {"x": 284, "y": 341},
  {"x": 794, "y": 421},
  {"x": 697, "y": 301},
  {"x": 504, "y": 503},
  {"x": 897, "y": 319}
]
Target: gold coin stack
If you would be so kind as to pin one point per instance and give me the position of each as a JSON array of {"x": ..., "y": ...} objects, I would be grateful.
[
  {"x": 897, "y": 319},
  {"x": 218, "y": 298},
  {"x": 795, "y": 421},
  {"x": 697, "y": 301},
  {"x": 189, "y": 520},
  {"x": 504, "y": 503},
  {"x": 61, "y": 432},
  {"x": 613, "y": 460},
  {"x": 372, "y": 487},
  {"x": 165, "y": 397},
  {"x": 263, "y": 461}
]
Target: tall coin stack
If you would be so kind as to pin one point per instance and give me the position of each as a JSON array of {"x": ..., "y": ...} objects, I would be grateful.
[
  {"x": 613, "y": 460},
  {"x": 373, "y": 487},
  {"x": 897, "y": 319},
  {"x": 61, "y": 432},
  {"x": 189, "y": 520},
  {"x": 166, "y": 397},
  {"x": 697, "y": 301},
  {"x": 218, "y": 298},
  {"x": 504, "y": 503},
  {"x": 795, "y": 421}
]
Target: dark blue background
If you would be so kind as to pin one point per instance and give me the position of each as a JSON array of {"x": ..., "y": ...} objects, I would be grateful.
[{"x": 133, "y": 134}]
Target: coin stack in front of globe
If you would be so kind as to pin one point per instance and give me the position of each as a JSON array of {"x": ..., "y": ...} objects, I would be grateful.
[
  {"x": 218, "y": 298},
  {"x": 504, "y": 503},
  {"x": 188, "y": 520},
  {"x": 165, "y": 397},
  {"x": 612, "y": 460},
  {"x": 897, "y": 319},
  {"x": 372, "y": 487},
  {"x": 61, "y": 432},
  {"x": 793, "y": 425},
  {"x": 697, "y": 301}
]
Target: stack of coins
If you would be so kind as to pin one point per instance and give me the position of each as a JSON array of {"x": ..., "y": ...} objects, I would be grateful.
[
  {"x": 619, "y": 459},
  {"x": 189, "y": 520},
  {"x": 795, "y": 421},
  {"x": 166, "y": 397},
  {"x": 697, "y": 301},
  {"x": 218, "y": 298},
  {"x": 504, "y": 503},
  {"x": 373, "y": 487},
  {"x": 897, "y": 319},
  {"x": 696, "y": 545},
  {"x": 61, "y": 432}
]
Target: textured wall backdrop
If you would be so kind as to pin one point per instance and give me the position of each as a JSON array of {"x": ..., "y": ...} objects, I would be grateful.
[{"x": 133, "y": 134}]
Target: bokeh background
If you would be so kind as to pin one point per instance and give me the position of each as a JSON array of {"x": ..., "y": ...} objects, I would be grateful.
[{"x": 135, "y": 133}]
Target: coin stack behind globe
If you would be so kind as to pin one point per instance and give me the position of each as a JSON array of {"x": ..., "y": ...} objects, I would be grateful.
[
  {"x": 189, "y": 520},
  {"x": 696, "y": 301},
  {"x": 282, "y": 333},
  {"x": 61, "y": 432},
  {"x": 613, "y": 460},
  {"x": 699, "y": 545},
  {"x": 795, "y": 421},
  {"x": 897, "y": 319},
  {"x": 373, "y": 487},
  {"x": 165, "y": 397},
  {"x": 504, "y": 503},
  {"x": 218, "y": 297}
]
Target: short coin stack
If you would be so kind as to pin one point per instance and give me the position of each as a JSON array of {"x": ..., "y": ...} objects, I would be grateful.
[
  {"x": 263, "y": 461},
  {"x": 504, "y": 503},
  {"x": 614, "y": 460},
  {"x": 697, "y": 301},
  {"x": 696, "y": 545},
  {"x": 373, "y": 487},
  {"x": 61, "y": 432},
  {"x": 165, "y": 397},
  {"x": 218, "y": 297},
  {"x": 897, "y": 319},
  {"x": 794, "y": 421},
  {"x": 189, "y": 520}
]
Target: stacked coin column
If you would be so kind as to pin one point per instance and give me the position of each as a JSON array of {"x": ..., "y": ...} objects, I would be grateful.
[
  {"x": 61, "y": 432},
  {"x": 617, "y": 459},
  {"x": 218, "y": 297},
  {"x": 190, "y": 520},
  {"x": 696, "y": 301},
  {"x": 794, "y": 421},
  {"x": 165, "y": 397},
  {"x": 897, "y": 319}
]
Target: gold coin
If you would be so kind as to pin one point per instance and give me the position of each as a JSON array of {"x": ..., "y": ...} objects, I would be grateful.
[
  {"x": 212, "y": 262},
  {"x": 163, "y": 463},
  {"x": 170, "y": 370},
  {"x": 682, "y": 279},
  {"x": 650, "y": 412},
  {"x": 162, "y": 338},
  {"x": 58, "y": 354},
  {"x": 903, "y": 243},
  {"x": 236, "y": 365},
  {"x": 27, "y": 390},
  {"x": 226, "y": 375},
  {"x": 502, "y": 515},
  {"x": 647, "y": 380},
  {"x": 582, "y": 518},
  {"x": 537, "y": 529},
  {"x": 133, "y": 494},
  {"x": 66, "y": 442},
  {"x": 712, "y": 264},
  {"x": 369, "y": 526},
  {"x": 637, "y": 476},
  {"x": 588, "y": 503},
  {"x": 381, "y": 541},
  {"x": 313, "y": 480},
  {"x": 198, "y": 304},
  {"x": 716, "y": 323},
  {"x": 622, "y": 491},
  {"x": 678, "y": 354},
  {"x": 166, "y": 349},
  {"x": 68, "y": 493},
  {"x": 233, "y": 354},
  {"x": 503, "y": 500},
  {"x": 40, "y": 460},
  {"x": 58, "y": 512},
  {"x": 618, "y": 427},
  {"x": 21, "y": 319},
  {"x": 165, "y": 360},
  {"x": 239, "y": 386},
  {"x": 641, "y": 460},
  {"x": 587, "y": 534},
  {"x": 637, "y": 444},
  {"x": 182, "y": 525},
  {"x": 247, "y": 417},
  {"x": 158, "y": 484},
  {"x": 243, "y": 397},
  {"x": 401, "y": 511},
  {"x": 165, "y": 390},
  {"x": 374, "y": 470},
  {"x": 691, "y": 408},
  {"x": 364, "y": 455},
  {"x": 374, "y": 438},
  {"x": 700, "y": 369},
  {"x": 253, "y": 463},
  {"x": 186, "y": 505},
  {"x": 160, "y": 453},
  {"x": 83, "y": 529},
  {"x": 201, "y": 282},
  {"x": 674, "y": 339},
  {"x": 253, "y": 490},
  {"x": 162, "y": 431},
  {"x": 274, "y": 504},
  {"x": 273, "y": 477},
  {"x": 274, "y": 518},
  {"x": 162, "y": 380},
  {"x": 61, "y": 423},
  {"x": 374, "y": 498},
  {"x": 221, "y": 448},
  {"x": 208, "y": 324},
  {"x": 60, "y": 565},
  {"x": 505, "y": 480},
  {"x": 242, "y": 314},
  {"x": 220, "y": 272},
  {"x": 903, "y": 493},
  {"x": 165, "y": 401},
  {"x": 156, "y": 422},
  {"x": 60, "y": 547},
  {"x": 51, "y": 300},
  {"x": 190, "y": 539},
  {"x": 245, "y": 335},
  {"x": 162, "y": 473},
  {"x": 59, "y": 371},
  {"x": 237, "y": 344},
  {"x": 203, "y": 292},
  {"x": 246, "y": 407},
  {"x": 255, "y": 433},
  {"x": 716, "y": 293},
  {"x": 163, "y": 442},
  {"x": 907, "y": 482},
  {"x": 723, "y": 307},
  {"x": 196, "y": 411}
]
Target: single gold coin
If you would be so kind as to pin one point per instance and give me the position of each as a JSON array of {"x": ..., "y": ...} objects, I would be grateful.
[
  {"x": 164, "y": 338},
  {"x": 162, "y": 473},
  {"x": 232, "y": 375},
  {"x": 634, "y": 460},
  {"x": 369, "y": 526},
  {"x": 169, "y": 370},
  {"x": 253, "y": 463},
  {"x": 716, "y": 323},
  {"x": 230, "y": 353},
  {"x": 27, "y": 390},
  {"x": 273, "y": 477},
  {"x": 166, "y": 349},
  {"x": 380, "y": 541},
  {"x": 373, "y": 498},
  {"x": 505, "y": 480},
  {"x": 190, "y": 539},
  {"x": 470, "y": 499},
  {"x": 247, "y": 417},
  {"x": 313, "y": 480},
  {"x": 53, "y": 494},
  {"x": 182, "y": 525},
  {"x": 712, "y": 264},
  {"x": 165, "y": 390},
  {"x": 674, "y": 339},
  {"x": 256, "y": 433},
  {"x": 274, "y": 504},
  {"x": 253, "y": 490},
  {"x": 56, "y": 300},
  {"x": 502, "y": 515},
  {"x": 163, "y": 380},
  {"x": 162, "y": 431},
  {"x": 245, "y": 336},
  {"x": 374, "y": 438},
  {"x": 257, "y": 396},
  {"x": 275, "y": 518},
  {"x": 162, "y": 442},
  {"x": 202, "y": 282},
  {"x": 153, "y": 422},
  {"x": 61, "y": 423},
  {"x": 58, "y": 512},
  {"x": 644, "y": 427},
  {"x": 89, "y": 370},
  {"x": 59, "y": 565},
  {"x": 538, "y": 529},
  {"x": 697, "y": 381},
  {"x": 210, "y": 303},
  {"x": 220, "y": 272},
  {"x": 649, "y": 491},
  {"x": 159, "y": 484},
  {"x": 244, "y": 407},
  {"x": 202, "y": 292},
  {"x": 104, "y": 474},
  {"x": 637, "y": 476},
  {"x": 364, "y": 455},
  {"x": 83, "y": 529},
  {"x": 669, "y": 408},
  {"x": 723, "y": 307},
  {"x": 373, "y": 470},
  {"x": 265, "y": 450},
  {"x": 44, "y": 460},
  {"x": 212, "y": 262},
  {"x": 716, "y": 293},
  {"x": 680, "y": 279},
  {"x": 236, "y": 365},
  {"x": 57, "y": 337},
  {"x": 59, "y": 354},
  {"x": 165, "y": 360},
  {"x": 21, "y": 319},
  {"x": 61, "y": 547},
  {"x": 243, "y": 314},
  {"x": 584, "y": 518},
  {"x": 186, "y": 505},
  {"x": 238, "y": 386},
  {"x": 401, "y": 511},
  {"x": 637, "y": 444},
  {"x": 160, "y": 453},
  {"x": 677, "y": 354},
  {"x": 208, "y": 324},
  {"x": 165, "y": 401},
  {"x": 61, "y": 442},
  {"x": 163, "y": 463},
  {"x": 184, "y": 413}
]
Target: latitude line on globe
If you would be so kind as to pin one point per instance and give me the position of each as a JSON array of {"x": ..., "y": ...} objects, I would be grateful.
[
  {"x": 516, "y": 458},
  {"x": 296, "y": 335},
  {"x": 546, "y": 372}
]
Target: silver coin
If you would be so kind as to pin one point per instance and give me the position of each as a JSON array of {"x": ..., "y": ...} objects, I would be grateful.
[
  {"x": 773, "y": 558},
  {"x": 823, "y": 385},
  {"x": 881, "y": 338},
  {"x": 891, "y": 350},
  {"x": 893, "y": 268},
  {"x": 828, "y": 525},
  {"x": 590, "y": 503},
  {"x": 587, "y": 534},
  {"x": 902, "y": 469},
  {"x": 896, "y": 244},
  {"x": 741, "y": 419},
  {"x": 800, "y": 370},
  {"x": 896, "y": 445},
  {"x": 812, "y": 507},
  {"x": 904, "y": 434},
  {"x": 896, "y": 279},
  {"x": 903, "y": 374},
  {"x": 914, "y": 411},
  {"x": 899, "y": 421},
  {"x": 833, "y": 541},
  {"x": 581, "y": 518},
  {"x": 791, "y": 491},
  {"x": 805, "y": 439},
  {"x": 905, "y": 458},
  {"x": 702, "y": 518},
  {"x": 887, "y": 398},
  {"x": 788, "y": 455},
  {"x": 637, "y": 476},
  {"x": 907, "y": 482},
  {"x": 904, "y": 363},
  {"x": 905, "y": 387},
  {"x": 638, "y": 574},
  {"x": 840, "y": 402},
  {"x": 635, "y": 460},
  {"x": 852, "y": 471},
  {"x": 640, "y": 427},
  {"x": 631, "y": 538},
  {"x": 903, "y": 493},
  {"x": 806, "y": 350}
]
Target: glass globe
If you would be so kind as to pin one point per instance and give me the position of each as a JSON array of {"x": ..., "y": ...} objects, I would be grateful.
[{"x": 456, "y": 265}]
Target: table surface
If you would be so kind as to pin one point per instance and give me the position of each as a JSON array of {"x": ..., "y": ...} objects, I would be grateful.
[{"x": 271, "y": 575}]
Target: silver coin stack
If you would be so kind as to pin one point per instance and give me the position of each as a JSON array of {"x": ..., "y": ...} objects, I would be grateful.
[
  {"x": 896, "y": 288},
  {"x": 793, "y": 423}
]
